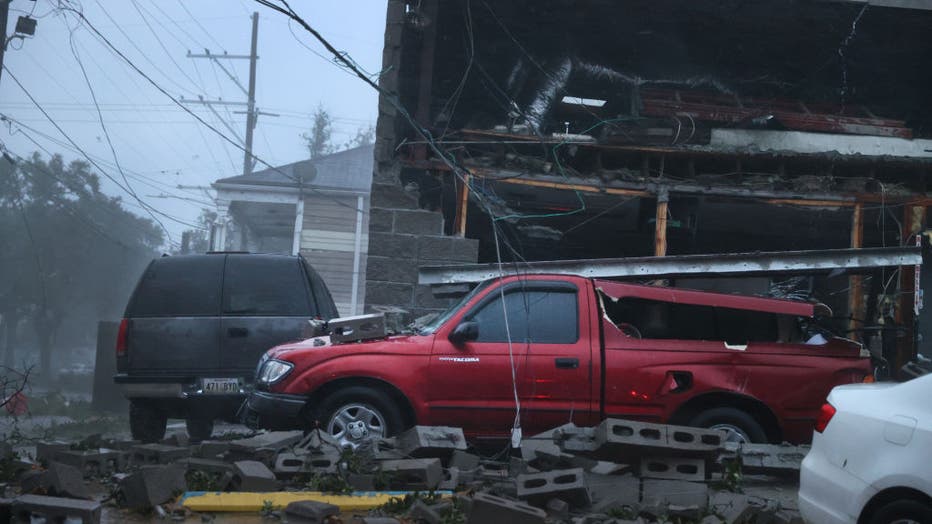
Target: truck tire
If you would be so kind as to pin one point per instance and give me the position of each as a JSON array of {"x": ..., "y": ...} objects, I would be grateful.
[
  {"x": 357, "y": 414},
  {"x": 740, "y": 426},
  {"x": 147, "y": 422},
  {"x": 902, "y": 511},
  {"x": 199, "y": 428}
]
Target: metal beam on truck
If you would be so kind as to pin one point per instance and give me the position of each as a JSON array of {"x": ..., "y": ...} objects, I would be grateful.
[{"x": 745, "y": 264}]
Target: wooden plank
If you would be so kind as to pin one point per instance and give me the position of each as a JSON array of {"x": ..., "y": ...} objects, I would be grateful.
[
  {"x": 660, "y": 227},
  {"x": 459, "y": 223},
  {"x": 855, "y": 282}
]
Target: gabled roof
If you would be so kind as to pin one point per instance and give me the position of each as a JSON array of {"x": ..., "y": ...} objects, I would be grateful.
[{"x": 347, "y": 170}]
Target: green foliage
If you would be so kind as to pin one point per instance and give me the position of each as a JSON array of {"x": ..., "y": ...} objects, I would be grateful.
[
  {"x": 71, "y": 254},
  {"x": 398, "y": 505},
  {"x": 318, "y": 139},
  {"x": 732, "y": 476},
  {"x": 268, "y": 507},
  {"x": 201, "y": 481},
  {"x": 327, "y": 483}
]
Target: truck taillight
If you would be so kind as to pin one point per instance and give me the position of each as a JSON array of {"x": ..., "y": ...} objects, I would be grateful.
[
  {"x": 825, "y": 416},
  {"x": 122, "y": 335}
]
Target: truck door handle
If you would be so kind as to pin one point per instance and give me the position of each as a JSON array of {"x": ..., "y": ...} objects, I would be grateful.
[
  {"x": 567, "y": 363},
  {"x": 238, "y": 332}
]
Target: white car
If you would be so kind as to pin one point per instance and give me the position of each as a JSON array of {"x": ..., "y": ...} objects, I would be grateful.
[{"x": 871, "y": 456}]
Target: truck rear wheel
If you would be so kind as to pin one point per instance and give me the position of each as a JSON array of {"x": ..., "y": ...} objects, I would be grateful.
[
  {"x": 357, "y": 414},
  {"x": 739, "y": 426},
  {"x": 147, "y": 422}
]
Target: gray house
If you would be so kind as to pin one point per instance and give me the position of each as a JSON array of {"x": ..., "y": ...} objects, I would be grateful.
[{"x": 318, "y": 208}]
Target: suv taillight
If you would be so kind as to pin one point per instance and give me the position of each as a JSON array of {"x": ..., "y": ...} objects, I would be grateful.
[
  {"x": 122, "y": 336},
  {"x": 825, "y": 416}
]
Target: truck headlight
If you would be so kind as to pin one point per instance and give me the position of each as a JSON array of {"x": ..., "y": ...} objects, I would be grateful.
[{"x": 273, "y": 371}]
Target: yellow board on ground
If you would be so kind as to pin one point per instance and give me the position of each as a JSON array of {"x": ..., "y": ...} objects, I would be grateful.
[{"x": 249, "y": 501}]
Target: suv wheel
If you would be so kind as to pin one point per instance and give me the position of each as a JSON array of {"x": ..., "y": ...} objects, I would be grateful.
[
  {"x": 199, "y": 428},
  {"x": 357, "y": 414},
  {"x": 903, "y": 511},
  {"x": 147, "y": 422},
  {"x": 739, "y": 427}
]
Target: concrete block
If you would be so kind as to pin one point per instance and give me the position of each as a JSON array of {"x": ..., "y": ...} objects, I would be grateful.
[
  {"x": 418, "y": 222},
  {"x": 663, "y": 493},
  {"x": 375, "y": 520},
  {"x": 431, "y": 441},
  {"x": 356, "y": 328},
  {"x": 489, "y": 509},
  {"x": 770, "y": 459},
  {"x": 558, "y": 508},
  {"x": 362, "y": 482},
  {"x": 388, "y": 269},
  {"x": 310, "y": 511},
  {"x": 290, "y": 463},
  {"x": 34, "y": 481},
  {"x": 451, "y": 479},
  {"x": 66, "y": 481},
  {"x": 177, "y": 439},
  {"x": 413, "y": 474},
  {"x": 674, "y": 468},
  {"x": 277, "y": 440},
  {"x": 251, "y": 475},
  {"x": 93, "y": 463},
  {"x": 6, "y": 451},
  {"x": 206, "y": 465},
  {"x": 424, "y": 298},
  {"x": 733, "y": 508},
  {"x": 463, "y": 461},
  {"x": 464, "y": 250},
  {"x": 695, "y": 441},
  {"x": 46, "y": 451},
  {"x": 447, "y": 249},
  {"x": 150, "y": 454},
  {"x": 121, "y": 445},
  {"x": 392, "y": 196},
  {"x": 613, "y": 492},
  {"x": 152, "y": 485},
  {"x": 567, "y": 484},
  {"x": 390, "y": 245},
  {"x": 381, "y": 220},
  {"x": 421, "y": 512},
  {"x": 388, "y": 293},
  {"x": 55, "y": 509},
  {"x": 787, "y": 516},
  {"x": 210, "y": 449}
]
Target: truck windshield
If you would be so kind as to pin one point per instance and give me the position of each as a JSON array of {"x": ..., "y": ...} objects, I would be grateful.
[{"x": 441, "y": 318}]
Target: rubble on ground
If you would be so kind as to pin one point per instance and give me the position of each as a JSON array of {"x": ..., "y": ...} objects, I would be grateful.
[{"x": 620, "y": 471}]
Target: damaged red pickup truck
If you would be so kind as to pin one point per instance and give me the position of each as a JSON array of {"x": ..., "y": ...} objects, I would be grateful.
[{"x": 582, "y": 350}]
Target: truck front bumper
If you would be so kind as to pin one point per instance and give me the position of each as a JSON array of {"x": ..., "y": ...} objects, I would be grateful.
[{"x": 276, "y": 411}]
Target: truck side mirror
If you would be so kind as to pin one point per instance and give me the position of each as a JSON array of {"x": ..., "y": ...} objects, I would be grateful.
[{"x": 464, "y": 332}]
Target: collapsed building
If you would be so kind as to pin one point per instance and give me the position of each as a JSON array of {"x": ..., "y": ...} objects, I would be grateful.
[{"x": 566, "y": 130}]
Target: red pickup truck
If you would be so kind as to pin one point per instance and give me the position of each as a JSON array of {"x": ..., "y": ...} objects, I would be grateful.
[{"x": 580, "y": 350}]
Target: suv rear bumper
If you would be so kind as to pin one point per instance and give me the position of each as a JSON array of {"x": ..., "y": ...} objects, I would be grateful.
[
  {"x": 273, "y": 410},
  {"x": 168, "y": 387}
]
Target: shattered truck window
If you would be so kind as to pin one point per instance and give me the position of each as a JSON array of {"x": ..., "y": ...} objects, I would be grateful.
[{"x": 544, "y": 317}]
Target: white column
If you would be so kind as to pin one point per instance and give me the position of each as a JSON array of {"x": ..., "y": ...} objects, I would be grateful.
[
  {"x": 220, "y": 226},
  {"x": 298, "y": 227},
  {"x": 357, "y": 255}
]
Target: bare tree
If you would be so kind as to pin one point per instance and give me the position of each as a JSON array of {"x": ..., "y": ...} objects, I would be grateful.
[{"x": 12, "y": 384}]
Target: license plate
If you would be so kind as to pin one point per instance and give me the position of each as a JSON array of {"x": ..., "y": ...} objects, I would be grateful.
[{"x": 220, "y": 386}]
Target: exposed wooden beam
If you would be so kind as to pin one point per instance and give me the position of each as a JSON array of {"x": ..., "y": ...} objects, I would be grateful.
[
  {"x": 462, "y": 205},
  {"x": 855, "y": 282},
  {"x": 660, "y": 226}
]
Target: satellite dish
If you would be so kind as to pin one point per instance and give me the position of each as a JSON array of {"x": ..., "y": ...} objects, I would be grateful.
[{"x": 305, "y": 172}]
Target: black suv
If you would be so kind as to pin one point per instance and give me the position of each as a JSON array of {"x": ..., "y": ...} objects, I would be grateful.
[{"x": 196, "y": 327}]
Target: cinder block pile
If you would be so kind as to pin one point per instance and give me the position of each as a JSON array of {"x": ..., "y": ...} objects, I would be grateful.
[{"x": 620, "y": 471}]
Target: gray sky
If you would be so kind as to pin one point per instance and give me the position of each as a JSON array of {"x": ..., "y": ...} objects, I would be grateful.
[{"x": 158, "y": 145}]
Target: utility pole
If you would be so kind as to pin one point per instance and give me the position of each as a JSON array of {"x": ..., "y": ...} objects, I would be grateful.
[
  {"x": 251, "y": 110},
  {"x": 252, "y": 114},
  {"x": 4, "y": 18}
]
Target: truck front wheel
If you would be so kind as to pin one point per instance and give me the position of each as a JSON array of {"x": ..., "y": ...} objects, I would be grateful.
[
  {"x": 357, "y": 414},
  {"x": 147, "y": 422},
  {"x": 739, "y": 427}
]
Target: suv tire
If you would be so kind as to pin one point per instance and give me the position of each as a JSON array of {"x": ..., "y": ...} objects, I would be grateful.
[
  {"x": 199, "y": 428},
  {"x": 738, "y": 423},
  {"x": 359, "y": 413},
  {"x": 147, "y": 422}
]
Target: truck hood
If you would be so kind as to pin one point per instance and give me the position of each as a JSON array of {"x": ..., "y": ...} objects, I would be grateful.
[{"x": 324, "y": 347}]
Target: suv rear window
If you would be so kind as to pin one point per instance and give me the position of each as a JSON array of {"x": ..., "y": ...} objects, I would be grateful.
[
  {"x": 184, "y": 286},
  {"x": 264, "y": 286}
]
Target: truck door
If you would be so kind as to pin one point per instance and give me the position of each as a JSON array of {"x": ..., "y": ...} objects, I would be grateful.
[
  {"x": 472, "y": 383},
  {"x": 266, "y": 302}
]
